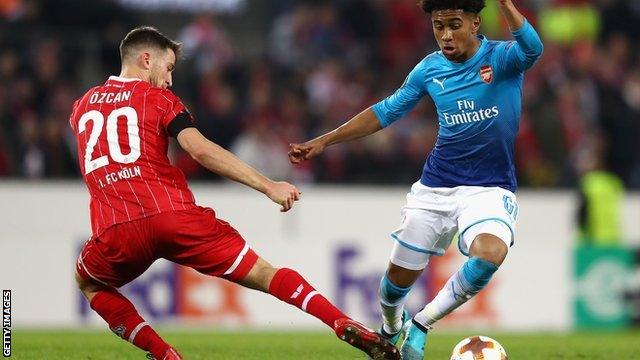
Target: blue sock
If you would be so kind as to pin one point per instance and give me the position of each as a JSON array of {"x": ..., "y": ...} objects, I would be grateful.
[
  {"x": 392, "y": 299},
  {"x": 475, "y": 275}
]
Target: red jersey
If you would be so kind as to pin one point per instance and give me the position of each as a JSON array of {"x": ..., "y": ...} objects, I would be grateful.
[{"x": 121, "y": 131}]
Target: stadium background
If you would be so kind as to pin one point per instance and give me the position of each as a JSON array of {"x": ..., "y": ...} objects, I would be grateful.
[{"x": 260, "y": 74}]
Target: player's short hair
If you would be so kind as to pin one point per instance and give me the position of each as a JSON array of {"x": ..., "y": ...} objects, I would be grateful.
[
  {"x": 472, "y": 6},
  {"x": 148, "y": 36}
]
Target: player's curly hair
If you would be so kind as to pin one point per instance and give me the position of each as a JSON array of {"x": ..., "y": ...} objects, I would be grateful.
[{"x": 472, "y": 6}]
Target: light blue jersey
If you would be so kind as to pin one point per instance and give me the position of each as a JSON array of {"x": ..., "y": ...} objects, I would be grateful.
[{"x": 478, "y": 103}]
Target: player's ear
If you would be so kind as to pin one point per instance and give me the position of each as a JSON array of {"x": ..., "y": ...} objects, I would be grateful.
[
  {"x": 476, "y": 24},
  {"x": 144, "y": 59}
]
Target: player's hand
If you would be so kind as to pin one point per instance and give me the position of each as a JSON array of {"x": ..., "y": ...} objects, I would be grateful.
[
  {"x": 300, "y": 152},
  {"x": 284, "y": 194}
]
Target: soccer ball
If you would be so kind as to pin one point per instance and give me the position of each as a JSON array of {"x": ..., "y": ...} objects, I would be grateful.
[{"x": 478, "y": 348}]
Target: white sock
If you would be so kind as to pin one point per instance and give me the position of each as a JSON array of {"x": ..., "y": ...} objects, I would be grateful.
[
  {"x": 392, "y": 317},
  {"x": 472, "y": 277},
  {"x": 441, "y": 305}
]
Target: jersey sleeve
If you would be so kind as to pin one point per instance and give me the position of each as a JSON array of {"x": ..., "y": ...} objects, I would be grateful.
[
  {"x": 175, "y": 117},
  {"x": 403, "y": 100},
  {"x": 520, "y": 55}
]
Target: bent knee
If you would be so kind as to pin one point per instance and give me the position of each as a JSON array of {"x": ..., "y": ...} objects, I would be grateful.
[
  {"x": 87, "y": 286},
  {"x": 80, "y": 281},
  {"x": 490, "y": 248},
  {"x": 496, "y": 257},
  {"x": 402, "y": 277}
]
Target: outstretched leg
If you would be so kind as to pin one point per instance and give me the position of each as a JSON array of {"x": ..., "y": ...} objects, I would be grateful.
[
  {"x": 213, "y": 247},
  {"x": 289, "y": 286}
]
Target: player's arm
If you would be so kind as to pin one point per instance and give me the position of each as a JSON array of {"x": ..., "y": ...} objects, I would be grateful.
[
  {"x": 361, "y": 125},
  {"x": 224, "y": 163},
  {"x": 367, "y": 122},
  {"x": 528, "y": 47}
]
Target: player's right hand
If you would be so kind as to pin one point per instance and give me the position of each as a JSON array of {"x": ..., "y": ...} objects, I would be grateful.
[
  {"x": 300, "y": 152},
  {"x": 284, "y": 194}
]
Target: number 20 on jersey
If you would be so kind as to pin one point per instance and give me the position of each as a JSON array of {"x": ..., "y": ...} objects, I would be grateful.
[{"x": 115, "y": 152}]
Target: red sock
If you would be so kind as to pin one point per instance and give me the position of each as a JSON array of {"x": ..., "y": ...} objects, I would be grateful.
[
  {"x": 290, "y": 287},
  {"x": 124, "y": 321}
]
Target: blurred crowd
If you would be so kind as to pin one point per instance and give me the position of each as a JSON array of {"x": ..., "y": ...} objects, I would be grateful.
[{"x": 317, "y": 64}]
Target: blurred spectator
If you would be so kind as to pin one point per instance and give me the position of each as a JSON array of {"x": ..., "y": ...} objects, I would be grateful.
[
  {"x": 601, "y": 194},
  {"x": 324, "y": 60},
  {"x": 287, "y": 39},
  {"x": 205, "y": 41},
  {"x": 261, "y": 147},
  {"x": 31, "y": 154},
  {"x": 405, "y": 34}
]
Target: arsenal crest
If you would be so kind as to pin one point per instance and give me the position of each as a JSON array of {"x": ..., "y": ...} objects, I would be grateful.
[{"x": 486, "y": 73}]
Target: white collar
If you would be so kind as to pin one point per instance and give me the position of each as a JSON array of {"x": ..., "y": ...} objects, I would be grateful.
[{"x": 123, "y": 79}]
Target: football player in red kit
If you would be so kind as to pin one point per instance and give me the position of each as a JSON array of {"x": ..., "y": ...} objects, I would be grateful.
[{"x": 142, "y": 209}]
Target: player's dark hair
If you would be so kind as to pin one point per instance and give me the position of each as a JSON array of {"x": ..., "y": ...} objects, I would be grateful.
[
  {"x": 149, "y": 36},
  {"x": 472, "y": 6}
]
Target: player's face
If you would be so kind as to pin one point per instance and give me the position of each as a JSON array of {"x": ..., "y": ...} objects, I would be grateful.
[
  {"x": 162, "y": 65},
  {"x": 455, "y": 32}
]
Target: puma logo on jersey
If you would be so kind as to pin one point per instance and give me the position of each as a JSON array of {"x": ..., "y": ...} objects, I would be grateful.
[
  {"x": 297, "y": 292},
  {"x": 441, "y": 83}
]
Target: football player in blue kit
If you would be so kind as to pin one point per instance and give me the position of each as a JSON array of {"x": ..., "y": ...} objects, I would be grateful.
[{"x": 468, "y": 181}]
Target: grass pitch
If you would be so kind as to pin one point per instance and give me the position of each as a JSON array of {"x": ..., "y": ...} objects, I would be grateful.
[{"x": 95, "y": 345}]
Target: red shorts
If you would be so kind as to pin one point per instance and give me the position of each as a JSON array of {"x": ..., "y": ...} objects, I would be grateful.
[{"x": 193, "y": 238}]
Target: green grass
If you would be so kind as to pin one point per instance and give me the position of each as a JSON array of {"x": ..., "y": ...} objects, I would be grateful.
[{"x": 66, "y": 344}]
